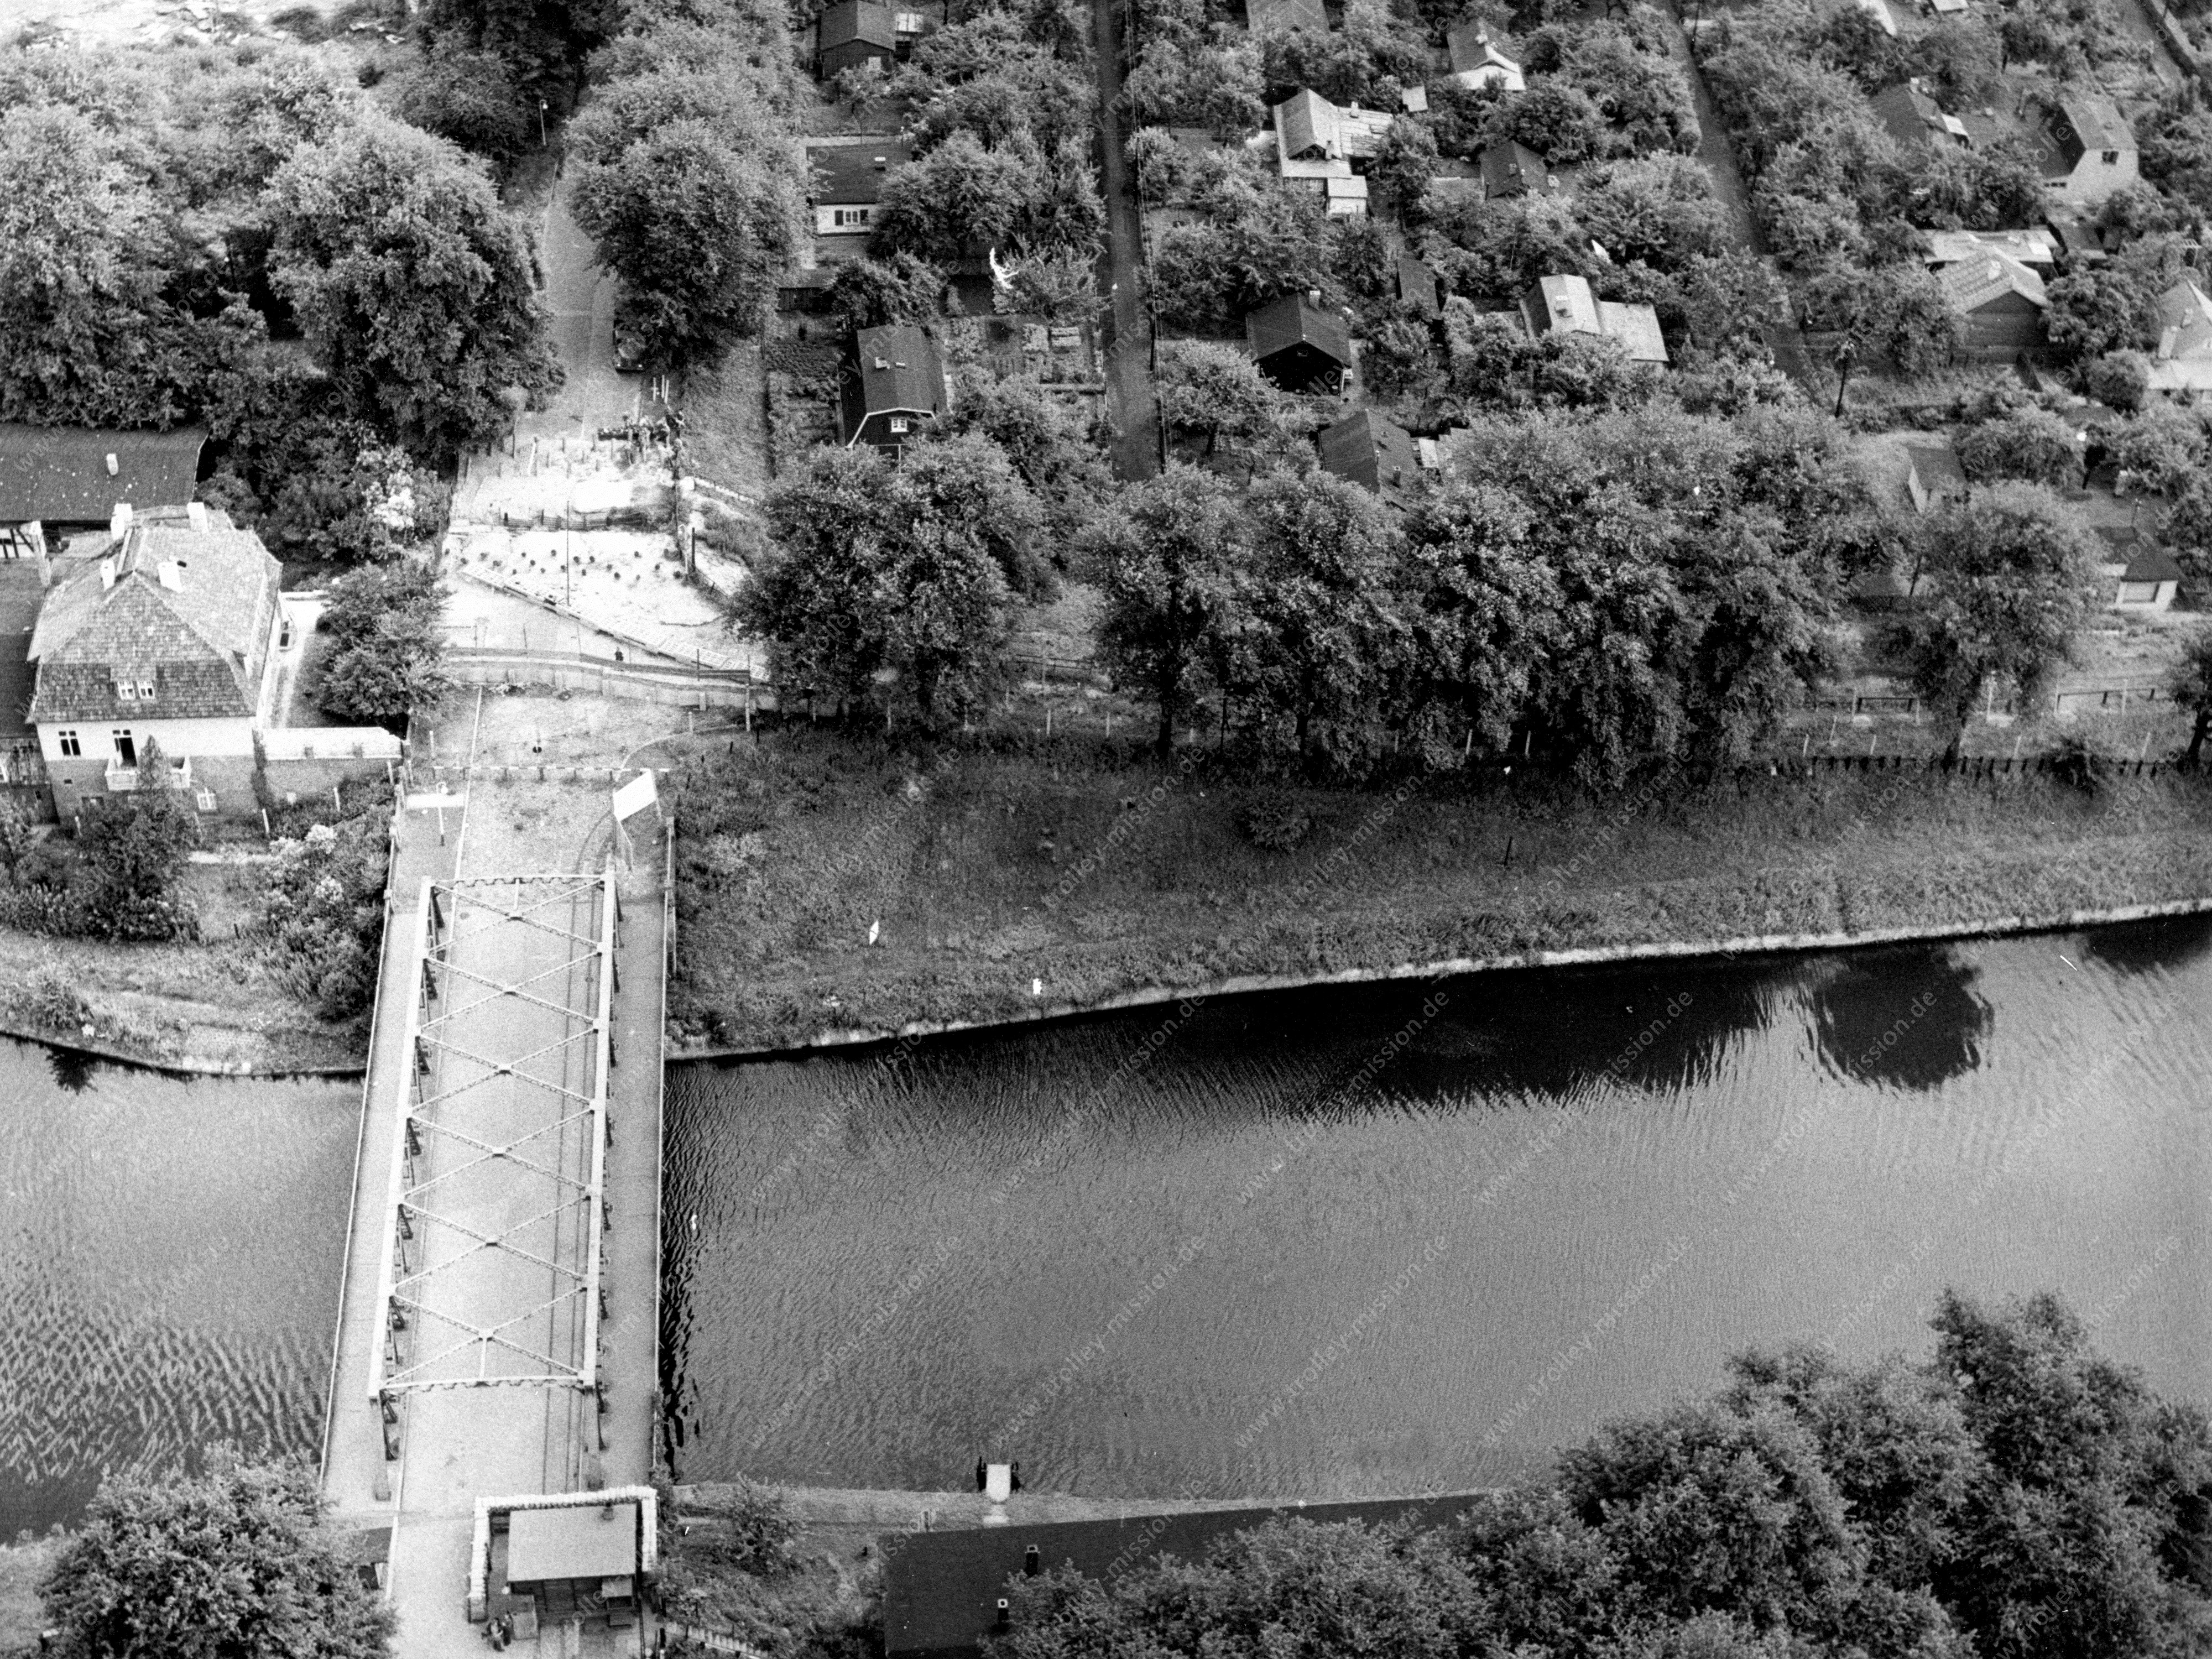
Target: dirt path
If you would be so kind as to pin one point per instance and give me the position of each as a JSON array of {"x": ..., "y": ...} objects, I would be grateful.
[
  {"x": 1784, "y": 339},
  {"x": 1130, "y": 397}
]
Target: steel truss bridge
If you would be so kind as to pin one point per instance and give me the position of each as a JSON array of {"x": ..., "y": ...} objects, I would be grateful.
[{"x": 490, "y": 1272}]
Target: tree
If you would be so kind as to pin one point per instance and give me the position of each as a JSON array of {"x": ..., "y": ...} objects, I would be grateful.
[
  {"x": 901, "y": 289},
  {"x": 233, "y": 1563},
  {"x": 410, "y": 281},
  {"x": 2101, "y": 309},
  {"x": 1170, "y": 556},
  {"x": 2076, "y": 1531},
  {"x": 1555, "y": 118},
  {"x": 1043, "y": 441},
  {"x": 698, "y": 221},
  {"x": 884, "y": 582},
  {"x": 136, "y": 848},
  {"x": 2011, "y": 572},
  {"x": 542, "y": 43},
  {"x": 1325, "y": 627},
  {"x": 2121, "y": 379},
  {"x": 85, "y": 336},
  {"x": 958, "y": 202},
  {"x": 1205, "y": 386},
  {"x": 469, "y": 97},
  {"x": 1404, "y": 163},
  {"x": 1485, "y": 614},
  {"x": 2032, "y": 444},
  {"x": 388, "y": 655}
]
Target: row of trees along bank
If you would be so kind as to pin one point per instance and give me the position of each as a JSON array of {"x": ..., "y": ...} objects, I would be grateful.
[{"x": 1605, "y": 590}]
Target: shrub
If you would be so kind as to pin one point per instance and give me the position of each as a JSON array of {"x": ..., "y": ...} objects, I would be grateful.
[
  {"x": 323, "y": 910},
  {"x": 760, "y": 1537},
  {"x": 2121, "y": 379},
  {"x": 1273, "y": 821},
  {"x": 2033, "y": 445}
]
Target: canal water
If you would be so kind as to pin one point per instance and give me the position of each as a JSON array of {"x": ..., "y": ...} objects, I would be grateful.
[
  {"x": 169, "y": 1259},
  {"x": 1388, "y": 1239}
]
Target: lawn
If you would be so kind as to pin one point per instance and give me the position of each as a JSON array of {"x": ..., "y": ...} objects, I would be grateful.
[{"x": 830, "y": 884}]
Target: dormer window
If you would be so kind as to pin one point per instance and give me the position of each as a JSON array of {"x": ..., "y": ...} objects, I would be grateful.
[
  {"x": 2112, "y": 158},
  {"x": 127, "y": 689},
  {"x": 898, "y": 424},
  {"x": 145, "y": 691}
]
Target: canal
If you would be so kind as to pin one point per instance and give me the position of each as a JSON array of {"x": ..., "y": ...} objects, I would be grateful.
[
  {"x": 168, "y": 1271},
  {"x": 1337, "y": 1241},
  {"x": 1387, "y": 1239}
]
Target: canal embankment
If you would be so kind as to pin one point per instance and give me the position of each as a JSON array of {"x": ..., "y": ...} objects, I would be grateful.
[{"x": 831, "y": 898}]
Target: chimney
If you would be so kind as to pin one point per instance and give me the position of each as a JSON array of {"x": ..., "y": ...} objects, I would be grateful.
[
  {"x": 1313, "y": 296},
  {"x": 112, "y": 467},
  {"x": 882, "y": 163},
  {"x": 118, "y": 521},
  {"x": 171, "y": 575},
  {"x": 106, "y": 575},
  {"x": 195, "y": 515}
]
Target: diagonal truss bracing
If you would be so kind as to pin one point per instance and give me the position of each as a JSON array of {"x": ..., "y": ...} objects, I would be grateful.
[{"x": 490, "y": 1272}]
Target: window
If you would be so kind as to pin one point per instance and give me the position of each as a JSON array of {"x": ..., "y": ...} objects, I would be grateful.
[
  {"x": 67, "y": 743},
  {"x": 126, "y": 749},
  {"x": 145, "y": 691},
  {"x": 2112, "y": 158},
  {"x": 898, "y": 424},
  {"x": 127, "y": 689},
  {"x": 844, "y": 216}
]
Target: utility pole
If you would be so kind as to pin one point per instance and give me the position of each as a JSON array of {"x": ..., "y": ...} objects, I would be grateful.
[{"x": 1846, "y": 358}]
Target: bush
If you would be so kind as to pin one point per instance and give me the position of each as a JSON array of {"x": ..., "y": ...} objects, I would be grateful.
[
  {"x": 2121, "y": 379},
  {"x": 134, "y": 850},
  {"x": 760, "y": 1536},
  {"x": 323, "y": 911},
  {"x": 388, "y": 657},
  {"x": 1273, "y": 821},
  {"x": 2033, "y": 445},
  {"x": 468, "y": 97}
]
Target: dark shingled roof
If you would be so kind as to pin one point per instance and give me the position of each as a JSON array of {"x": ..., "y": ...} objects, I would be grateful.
[
  {"x": 1369, "y": 450},
  {"x": 1293, "y": 319},
  {"x": 1936, "y": 466},
  {"x": 59, "y": 473},
  {"x": 898, "y": 369},
  {"x": 941, "y": 1590},
  {"x": 846, "y": 175},
  {"x": 2089, "y": 121},
  {"x": 202, "y": 642},
  {"x": 850, "y": 21},
  {"x": 2152, "y": 564},
  {"x": 1417, "y": 285},
  {"x": 1513, "y": 169}
]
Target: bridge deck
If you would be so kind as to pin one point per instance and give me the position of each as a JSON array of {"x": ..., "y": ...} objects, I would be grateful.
[{"x": 509, "y": 1176}]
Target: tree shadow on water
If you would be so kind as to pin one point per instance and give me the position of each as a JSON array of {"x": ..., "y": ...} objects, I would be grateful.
[
  {"x": 1907, "y": 1018},
  {"x": 73, "y": 1071},
  {"x": 2146, "y": 947}
]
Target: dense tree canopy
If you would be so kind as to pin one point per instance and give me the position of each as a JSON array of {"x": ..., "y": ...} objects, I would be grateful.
[
  {"x": 411, "y": 283},
  {"x": 233, "y": 1563},
  {"x": 2017, "y": 1494},
  {"x": 387, "y": 658}
]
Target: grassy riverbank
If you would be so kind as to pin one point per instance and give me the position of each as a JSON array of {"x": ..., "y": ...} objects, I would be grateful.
[
  {"x": 23, "y": 1565},
  {"x": 216, "y": 1004},
  {"x": 988, "y": 873}
]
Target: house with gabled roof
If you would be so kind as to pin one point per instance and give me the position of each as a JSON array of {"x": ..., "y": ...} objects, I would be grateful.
[
  {"x": 1373, "y": 452},
  {"x": 1414, "y": 283},
  {"x": 1910, "y": 115},
  {"x": 2183, "y": 360},
  {"x": 1567, "y": 304},
  {"x": 1510, "y": 168},
  {"x": 1321, "y": 147},
  {"x": 1476, "y": 61},
  {"x": 891, "y": 385},
  {"x": 2092, "y": 150},
  {"x": 1933, "y": 477},
  {"x": 2036, "y": 248},
  {"x": 170, "y": 635},
  {"x": 846, "y": 182},
  {"x": 62, "y": 477},
  {"x": 1300, "y": 345},
  {"x": 2000, "y": 305},
  {"x": 851, "y": 32}
]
